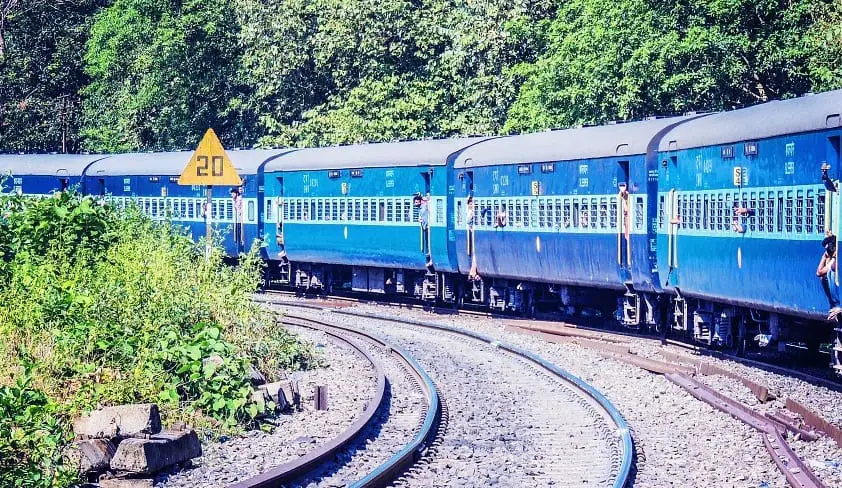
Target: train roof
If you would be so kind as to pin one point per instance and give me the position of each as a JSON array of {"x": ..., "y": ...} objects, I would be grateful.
[
  {"x": 383, "y": 154},
  {"x": 172, "y": 163},
  {"x": 47, "y": 164},
  {"x": 793, "y": 116},
  {"x": 623, "y": 139}
]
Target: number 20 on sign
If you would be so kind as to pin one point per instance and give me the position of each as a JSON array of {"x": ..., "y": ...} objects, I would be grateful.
[{"x": 210, "y": 165}]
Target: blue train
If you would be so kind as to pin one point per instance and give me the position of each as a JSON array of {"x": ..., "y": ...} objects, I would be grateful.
[{"x": 707, "y": 225}]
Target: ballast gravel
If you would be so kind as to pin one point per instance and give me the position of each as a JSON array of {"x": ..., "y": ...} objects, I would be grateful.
[
  {"x": 680, "y": 441},
  {"x": 509, "y": 424},
  {"x": 228, "y": 461}
]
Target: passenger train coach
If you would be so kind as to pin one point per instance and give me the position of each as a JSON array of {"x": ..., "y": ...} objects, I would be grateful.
[{"x": 709, "y": 225}]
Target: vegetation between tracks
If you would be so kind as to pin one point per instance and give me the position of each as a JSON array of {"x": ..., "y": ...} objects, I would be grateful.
[{"x": 107, "y": 307}]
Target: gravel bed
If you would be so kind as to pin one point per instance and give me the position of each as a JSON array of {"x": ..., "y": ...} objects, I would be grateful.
[
  {"x": 510, "y": 425},
  {"x": 295, "y": 433},
  {"x": 394, "y": 425},
  {"x": 680, "y": 441}
]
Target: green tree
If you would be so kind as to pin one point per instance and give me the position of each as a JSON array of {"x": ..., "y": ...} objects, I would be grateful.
[
  {"x": 163, "y": 71},
  {"x": 41, "y": 73},
  {"x": 628, "y": 59}
]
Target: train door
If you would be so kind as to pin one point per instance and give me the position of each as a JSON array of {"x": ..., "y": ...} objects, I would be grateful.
[
  {"x": 624, "y": 220},
  {"x": 470, "y": 216},
  {"x": 424, "y": 214},
  {"x": 279, "y": 214}
]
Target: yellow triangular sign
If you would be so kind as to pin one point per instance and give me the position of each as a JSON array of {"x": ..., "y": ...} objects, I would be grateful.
[{"x": 209, "y": 165}]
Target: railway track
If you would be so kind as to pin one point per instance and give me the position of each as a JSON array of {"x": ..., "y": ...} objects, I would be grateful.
[
  {"x": 509, "y": 409},
  {"x": 347, "y": 455},
  {"x": 827, "y": 381}
]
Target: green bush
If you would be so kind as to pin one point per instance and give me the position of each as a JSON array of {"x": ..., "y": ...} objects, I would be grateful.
[
  {"x": 31, "y": 438},
  {"x": 115, "y": 308}
]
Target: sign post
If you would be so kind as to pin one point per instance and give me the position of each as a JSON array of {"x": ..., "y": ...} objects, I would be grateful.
[{"x": 209, "y": 166}]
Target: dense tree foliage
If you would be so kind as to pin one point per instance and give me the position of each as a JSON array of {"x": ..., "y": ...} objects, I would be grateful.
[{"x": 152, "y": 74}]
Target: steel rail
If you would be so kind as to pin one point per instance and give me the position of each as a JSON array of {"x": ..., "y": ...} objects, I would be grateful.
[
  {"x": 297, "y": 467},
  {"x": 626, "y": 444}
]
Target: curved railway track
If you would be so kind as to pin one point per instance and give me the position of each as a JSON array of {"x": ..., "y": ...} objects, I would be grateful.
[
  {"x": 311, "y": 465},
  {"x": 583, "y": 417}
]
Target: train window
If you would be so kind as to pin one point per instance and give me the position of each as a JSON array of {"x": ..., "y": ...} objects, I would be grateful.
[
  {"x": 683, "y": 200},
  {"x": 542, "y": 213},
  {"x": 820, "y": 213},
  {"x": 592, "y": 217},
  {"x": 365, "y": 211},
  {"x": 704, "y": 200},
  {"x": 526, "y": 213},
  {"x": 576, "y": 215},
  {"x": 154, "y": 208},
  {"x": 517, "y": 219},
  {"x": 780, "y": 211},
  {"x": 334, "y": 209},
  {"x": 250, "y": 215},
  {"x": 771, "y": 214},
  {"x": 343, "y": 212},
  {"x": 439, "y": 210},
  {"x": 612, "y": 213},
  {"x": 416, "y": 213},
  {"x": 810, "y": 212},
  {"x": 320, "y": 210},
  {"x": 381, "y": 211},
  {"x": 761, "y": 212},
  {"x": 533, "y": 213},
  {"x": 199, "y": 206},
  {"x": 390, "y": 210},
  {"x": 639, "y": 213},
  {"x": 661, "y": 202},
  {"x": 229, "y": 210},
  {"x": 407, "y": 211},
  {"x": 788, "y": 211},
  {"x": 603, "y": 213},
  {"x": 459, "y": 213},
  {"x": 489, "y": 215},
  {"x": 559, "y": 213},
  {"x": 373, "y": 210},
  {"x": 799, "y": 211},
  {"x": 312, "y": 209},
  {"x": 752, "y": 205}
]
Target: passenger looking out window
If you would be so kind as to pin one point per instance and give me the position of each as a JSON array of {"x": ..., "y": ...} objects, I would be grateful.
[
  {"x": 423, "y": 209},
  {"x": 502, "y": 218}
]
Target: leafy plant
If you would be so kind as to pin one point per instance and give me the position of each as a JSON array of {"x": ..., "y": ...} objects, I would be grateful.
[{"x": 31, "y": 437}]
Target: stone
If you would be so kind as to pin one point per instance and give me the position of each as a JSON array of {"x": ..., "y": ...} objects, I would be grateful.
[
  {"x": 214, "y": 359},
  {"x": 255, "y": 376},
  {"x": 119, "y": 421},
  {"x": 92, "y": 455},
  {"x": 280, "y": 392},
  {"x": 144, "y": 456},
  {"x": 126, "y": 483}
]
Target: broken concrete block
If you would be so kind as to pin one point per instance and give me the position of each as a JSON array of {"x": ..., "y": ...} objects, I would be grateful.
[
  {"x": 126, "y": 483},
  {"x": 280, "y": 392},
  {"x": 119, "y": 421},
  {"x": 91, "y": 455},
  {"x": 156, "y": 453}
]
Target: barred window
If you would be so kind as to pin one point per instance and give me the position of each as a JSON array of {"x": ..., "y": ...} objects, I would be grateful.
[
  {"x": 752, "y": 220},
  {"x": 592, "y": 218},
  {"x": 661, "y": 201},
  {"x": 808, "y": 217},
  {"x": 799, "y": 211},
  {"x": 381, "y": 210},
  {"x": 542, "y": 213},
  {"x": 583, "y": 213},
  {"x": 489, "y": 216},
  {"x": 771, "y": 212},
  {"x": 789, "y": 205},
  {"x": 390, "y": 210},
  {"x": 229, "y": 210},
  {"x": 683, "y": 201},
  {"x": 562, "y": 214},
  {"x": 720, "y": 212},
  {"x": 639, "y": 213},
  {"x": 312, "y": 209},
  {"x": 820, "y": 213},
  {"x": 458, "y": 213},
  {"x": 533, "y": 213},
  {"x": 526, "y": 213},
  {"x": 320, "y": 210},
  {"x": 780, "y": 211},
  {"x": 761, "y": 212},
  {"x": 568, "y": 216},
  {"x": 613, "y": 213},
  {"x": 335, "y": 210},
  {"x": 365, "y": 211},
  {"x": 705, "y": 201},
  {"x": 439, "y": 210},
  {"x": 603, "y": 213}
]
